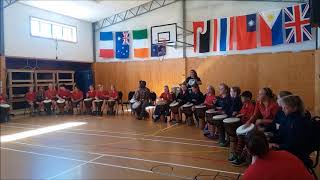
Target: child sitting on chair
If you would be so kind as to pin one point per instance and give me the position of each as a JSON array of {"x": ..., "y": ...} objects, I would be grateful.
[
  {"x": 31, "y": 99},
  {"x": 162, "y": 107}
]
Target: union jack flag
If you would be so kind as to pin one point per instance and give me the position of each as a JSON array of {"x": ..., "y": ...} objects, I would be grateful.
[
  {"x": 297, "y": 23},
  {"x": 125, "y": 38}
]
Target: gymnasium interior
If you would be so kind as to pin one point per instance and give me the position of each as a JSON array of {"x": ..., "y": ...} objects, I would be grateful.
[{"x": 160, "y": 89}]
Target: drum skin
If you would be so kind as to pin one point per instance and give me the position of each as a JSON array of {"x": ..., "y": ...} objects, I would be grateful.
[{"x": 209, "y": 114}]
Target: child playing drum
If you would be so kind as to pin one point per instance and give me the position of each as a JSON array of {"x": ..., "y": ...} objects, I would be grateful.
[{"x": 247, "y": 110}]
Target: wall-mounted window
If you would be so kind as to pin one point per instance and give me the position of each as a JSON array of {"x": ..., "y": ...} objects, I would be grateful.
[{"x": 52, "y": 30}]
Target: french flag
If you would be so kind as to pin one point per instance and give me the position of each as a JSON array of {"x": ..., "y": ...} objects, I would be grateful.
[
  {"x": 271, "y": 30},
  {"x": 223, "y": 34},
  {"x": 106, "y": 45}
]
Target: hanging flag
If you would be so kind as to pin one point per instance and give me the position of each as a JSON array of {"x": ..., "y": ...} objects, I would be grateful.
[
  {"x": 271, "y": 32},
  {"x": 297, "y": 23},
  {"x": 223, "y": 34},
  {"x": 246, "y": 32},
  {"x": 106, "y": 45},
  {"x": 140, "y": 43},
  {"x": 122, "y": 45},
  {"x": 204, "y": 36},
  {"x": 158, "y": 50}
]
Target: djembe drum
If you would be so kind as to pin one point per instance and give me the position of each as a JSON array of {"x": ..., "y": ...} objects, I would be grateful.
[
  {"x": 243, "y": 131},
  {"x": 111, "y": 104},
  {"x": 231, "y": 125},
  {"x": 47, "y": 106},
  {"x": 88, "y": 105},
  {"x": 200, "y": 110},
  {"x": 4, "y": 112},
  {"x": 174, "y": 106},
  {"x": 209, "y": 114},
  {"x": 218, "y": 122},
  {"x": 98, "y": 103},
  {"x": 187, "y": 110},
  {"x": 61, "y": 104}
]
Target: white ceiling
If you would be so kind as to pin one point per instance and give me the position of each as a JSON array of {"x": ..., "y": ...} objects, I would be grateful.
[{"x": 88, "y": 10}]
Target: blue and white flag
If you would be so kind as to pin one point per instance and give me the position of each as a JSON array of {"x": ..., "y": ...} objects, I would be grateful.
[
  {"x": 158, "y": 50},
  {"x": 223, "y": 34},
  {"x": 122, "y": 45}
]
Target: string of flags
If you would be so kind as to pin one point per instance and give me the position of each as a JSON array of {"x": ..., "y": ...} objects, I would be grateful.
[
  {"x": 267, "y": 28},
  {"x": 263, "y": 29}
]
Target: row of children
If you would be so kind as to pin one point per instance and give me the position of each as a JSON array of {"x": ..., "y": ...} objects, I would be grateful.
[
  {"x": 65, "y": 100},
  {"x": 283, "y": 118}
]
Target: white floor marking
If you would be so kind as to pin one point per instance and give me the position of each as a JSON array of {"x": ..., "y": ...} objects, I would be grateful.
[
  {"x": 144, "y": 139},
  {"x": 75, "y": 167},
  {"x": 96, "y": 163},
  {"x": 130, "y": 158},
  {"x": 39, "y": 131},
  {"x": 125, "y": 133}
]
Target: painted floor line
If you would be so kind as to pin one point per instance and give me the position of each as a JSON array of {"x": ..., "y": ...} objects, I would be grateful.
[
  {"x": 126, "y": 133},
  {"x": 96, "y": 163},
  {"x": 75, "y": 167},
  {"x": 144, "y": 139},
  {"x": 130, "y": 158}
]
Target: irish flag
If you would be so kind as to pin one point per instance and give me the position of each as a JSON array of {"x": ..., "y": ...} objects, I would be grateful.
[
  {"x": 140, "y": 43},
  {"x": 106, "y": 45}
]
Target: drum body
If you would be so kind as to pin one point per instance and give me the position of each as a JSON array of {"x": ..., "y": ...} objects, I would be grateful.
[
  {"x": 243, "y": 131},
  {"x": 209, "y": 115},
  {"x": 88, "y": 103},
  {"x": 200, "y": 111},
  {"x": 47, "y": 106},
  {"x": 136, "y": 105},
  {"x": 231, "y": 125},
  {"x": 174, "y": 106},
  {"x": 111, "y": 104},
  {"x": 187, "y": 109},
  {"x": 98, "y": 104},
  {"x": 4, "y": 112},
  {"x": 61, "y": 103}
]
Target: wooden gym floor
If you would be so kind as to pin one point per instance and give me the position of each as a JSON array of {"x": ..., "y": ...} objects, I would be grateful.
[{"x": 111, "y": 147}]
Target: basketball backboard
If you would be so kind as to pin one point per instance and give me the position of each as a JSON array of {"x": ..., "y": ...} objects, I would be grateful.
[{"x": 166, "y": 33}]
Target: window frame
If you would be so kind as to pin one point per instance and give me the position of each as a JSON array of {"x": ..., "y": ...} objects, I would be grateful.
[{"x": 51, "y": 24}]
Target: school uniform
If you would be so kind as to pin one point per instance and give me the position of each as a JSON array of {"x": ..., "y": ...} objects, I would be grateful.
[
  {"x": 294, "y": 134},
  {"x": 208, "y": 101},
  {"x": 247, "y": 111},
  {"x": 64, "y": 94},
  {"x": 51, "y": 94},
  {"x": 235, "y": 106},
  {"x": 91, "y": 94},
  {"x": 30, "y": 97},
  {"x": 163, "y": 109},
  {"x": 183, "y": 97},
  {"x": 277, "y": 165},
  {"x": 225, "y": 104},
  {"x": 266, "y": 112},
  {"x": 113, "y": 94}
]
